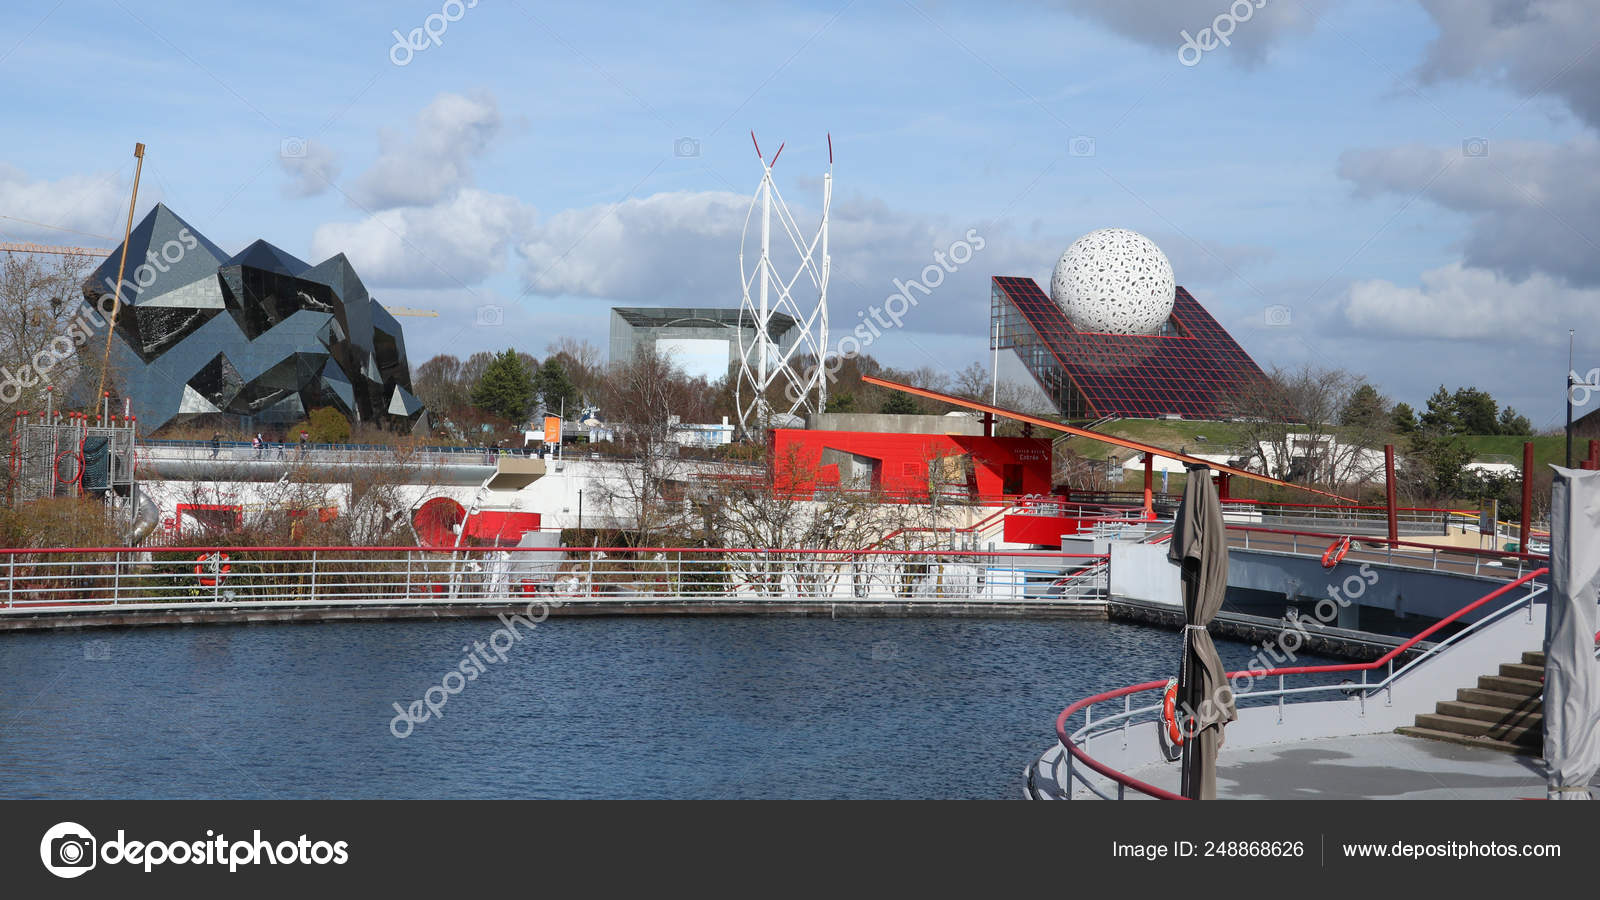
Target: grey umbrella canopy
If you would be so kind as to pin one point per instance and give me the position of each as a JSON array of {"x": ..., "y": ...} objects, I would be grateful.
[
  {"x": 1200, "y": 547},
  {"x": 1571, "y": 679}
]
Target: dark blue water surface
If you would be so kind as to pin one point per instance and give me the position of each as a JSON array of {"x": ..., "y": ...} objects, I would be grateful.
[{"x": 582, "y": 707}]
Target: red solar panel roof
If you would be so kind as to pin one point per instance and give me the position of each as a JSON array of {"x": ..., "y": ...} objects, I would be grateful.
[{"x": 1194, "y": 368}]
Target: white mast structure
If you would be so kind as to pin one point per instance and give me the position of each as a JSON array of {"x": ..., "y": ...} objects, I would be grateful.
[{"x": 763, "y": 364}]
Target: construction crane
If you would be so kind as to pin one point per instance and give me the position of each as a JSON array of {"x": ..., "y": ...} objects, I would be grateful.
[{"x": 15, "y": 247}]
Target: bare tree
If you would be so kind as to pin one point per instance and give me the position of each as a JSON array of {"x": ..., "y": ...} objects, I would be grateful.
[
  {"x": 1290, "y": 423},
  {"x": 641, "y": 398},
  {"x": 52, "y": 335}
]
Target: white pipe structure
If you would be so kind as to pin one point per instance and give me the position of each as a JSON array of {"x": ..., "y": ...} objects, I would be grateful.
[{"x": 771, "y": 366}]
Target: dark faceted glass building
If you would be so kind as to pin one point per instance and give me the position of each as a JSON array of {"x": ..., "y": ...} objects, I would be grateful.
[
  {"x": 1190, "y": 367},
  {"x": 259, "y": 335}
]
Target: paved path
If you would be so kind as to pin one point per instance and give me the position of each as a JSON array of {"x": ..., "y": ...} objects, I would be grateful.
[{"x": 1368, "y": 767}]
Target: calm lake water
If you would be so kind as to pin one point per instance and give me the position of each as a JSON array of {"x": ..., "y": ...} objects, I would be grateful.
[{"x": 582, "y": 707}]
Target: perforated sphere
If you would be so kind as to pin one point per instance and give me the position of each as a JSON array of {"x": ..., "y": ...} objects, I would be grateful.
[{"x": 1114, "y": 280}]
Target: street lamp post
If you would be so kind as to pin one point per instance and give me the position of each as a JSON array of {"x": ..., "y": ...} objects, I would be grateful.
[{"x": 1571, "y": 381}]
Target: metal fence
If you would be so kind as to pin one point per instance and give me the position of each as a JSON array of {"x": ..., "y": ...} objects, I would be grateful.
[{"x": 40, "y": 580}]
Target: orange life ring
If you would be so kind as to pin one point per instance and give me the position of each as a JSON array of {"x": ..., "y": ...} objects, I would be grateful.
[
  {"x": 202, "y": 570},
  {"x": 1169, "y": 713},
  {"x": 1335, "y": 553}
]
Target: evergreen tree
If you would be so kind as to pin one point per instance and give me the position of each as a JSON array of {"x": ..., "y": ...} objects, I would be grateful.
[
  {"x": 900, "y": 404},
  {"x": 504, "y": 389},
  {"x": 1440, "y": 416},
  {"x": 1364, "y": 409},
  {"x": 551, "y": 385},
  {"x": 841, "y": 403},
  {"x": 1513, "y": 423},
  {"x": 1476, "y": 411},
  {"x": 1404, "y": 417}
]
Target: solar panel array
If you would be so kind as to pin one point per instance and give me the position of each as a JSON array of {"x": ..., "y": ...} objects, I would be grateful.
[{"x": 1193, "y": 368}]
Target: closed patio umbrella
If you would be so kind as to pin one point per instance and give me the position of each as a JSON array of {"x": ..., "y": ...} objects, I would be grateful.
[
  {"x": 1571, "y": 679},
  {"x": 1200, "y": 547}
]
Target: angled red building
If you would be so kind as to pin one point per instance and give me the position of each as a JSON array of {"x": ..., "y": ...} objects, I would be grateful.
[
  {"x": 1190, "y": 367},
  {"x": 902, "y": 466}
]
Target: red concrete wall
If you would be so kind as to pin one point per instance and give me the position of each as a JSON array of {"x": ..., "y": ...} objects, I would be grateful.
[{"x": 903, "y": 460}]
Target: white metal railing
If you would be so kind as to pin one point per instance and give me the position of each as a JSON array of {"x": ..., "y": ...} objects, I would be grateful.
[{"x": 33, "y": 581}]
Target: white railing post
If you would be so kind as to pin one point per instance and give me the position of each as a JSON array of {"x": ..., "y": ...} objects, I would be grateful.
[
  {"x": 11, "y": 578},
  {"x": 116, "y": 577},
  {"x": 313, "y": 575}
]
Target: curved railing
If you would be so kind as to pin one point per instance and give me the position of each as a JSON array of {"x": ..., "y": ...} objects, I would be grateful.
[
  {"x": 1077, "y": 755},
  {"x": 1316, "y": 539}
]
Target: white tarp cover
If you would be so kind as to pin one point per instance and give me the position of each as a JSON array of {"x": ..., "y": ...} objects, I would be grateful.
[{"x": 1572, "y": 679}]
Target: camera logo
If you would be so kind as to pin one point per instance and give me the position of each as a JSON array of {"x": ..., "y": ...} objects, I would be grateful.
[
  {"x": 1279, "y": 316},
  {"x": 292, "y": 148},
  {"x": 490, "y": 315},
  {"x": 1082, "y": 145},
  {"x": 67, "y": 850},
  {"x": 1475, "y": 147},
  {"x": 685, "y": 148}
]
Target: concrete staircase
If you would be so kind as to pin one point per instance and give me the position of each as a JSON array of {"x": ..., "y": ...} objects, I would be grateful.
[{"x": 1504, "y": 712}]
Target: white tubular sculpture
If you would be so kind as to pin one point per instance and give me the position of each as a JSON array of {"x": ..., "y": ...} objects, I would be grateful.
[{"x": 765, "y": 367}]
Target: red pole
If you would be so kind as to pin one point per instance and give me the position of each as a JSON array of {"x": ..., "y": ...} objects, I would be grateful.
[
  {"x": 1388, "y": 491},
  {"x": 1594, "y": 454},
  {"x": 1149, "y": 506},
  {"x": 1526, "y": 530}
]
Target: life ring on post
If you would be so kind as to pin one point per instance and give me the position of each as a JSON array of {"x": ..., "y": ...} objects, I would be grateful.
[
  {"x": 204, "y": 571},
  {"x": 1171, "y": 734}
]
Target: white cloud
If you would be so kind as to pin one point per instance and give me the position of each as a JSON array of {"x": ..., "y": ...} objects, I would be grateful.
[
  {"x": 1457, "y": 302},
  {"x": 460, "y": 241},
  {"x": 312, "y": 167},
  {"x": 1536, "y": 46},
  {"x": 432, "y": 163},
  {"x": 1157, "y": 23},
  {"x": 89, "y": 203},
  {"x": 1532, "y": 204}
]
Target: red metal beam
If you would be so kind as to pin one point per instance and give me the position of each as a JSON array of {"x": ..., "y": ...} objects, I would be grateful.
[{"x": 1092, "y": 435}]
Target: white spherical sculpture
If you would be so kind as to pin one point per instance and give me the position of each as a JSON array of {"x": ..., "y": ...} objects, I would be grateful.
[{"x": 1116, "y": 281}]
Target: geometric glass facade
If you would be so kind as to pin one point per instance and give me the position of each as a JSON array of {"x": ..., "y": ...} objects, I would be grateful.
[
  {"x": 260, "y": 335},
  {"x": 1191, "y": 367}
]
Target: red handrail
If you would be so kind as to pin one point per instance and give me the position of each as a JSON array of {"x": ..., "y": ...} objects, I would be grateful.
[
  {"x": 1051, "y": 554},
  {"x": 1159, "y": 793}
]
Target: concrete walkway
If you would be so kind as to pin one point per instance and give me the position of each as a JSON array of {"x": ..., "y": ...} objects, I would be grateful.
[{"x": 1368, "y": 767}]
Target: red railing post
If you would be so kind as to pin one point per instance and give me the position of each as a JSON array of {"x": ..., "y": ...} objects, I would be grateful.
[
  {"x": 1388, "y": 491},
  {"x": 1525, "y": 532}
]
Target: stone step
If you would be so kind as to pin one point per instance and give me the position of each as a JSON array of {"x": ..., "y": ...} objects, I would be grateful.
[
  {"x": 1505, "y": 685},
  {"x": 1492, "y": 714},
  {"x": 1516, "y": 734},
  {"x": 1465, "y": 741},
  {"x": 1523, "y": 671},
  {"x": 1533, "y": 658},
  {"x": 1520, "y": 702}
]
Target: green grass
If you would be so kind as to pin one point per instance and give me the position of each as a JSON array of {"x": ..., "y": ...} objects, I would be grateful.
[{"x": 1547, "y": 449}]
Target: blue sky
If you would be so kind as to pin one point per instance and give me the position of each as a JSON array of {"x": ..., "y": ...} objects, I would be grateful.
[{"x": 527, "y": 161}]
